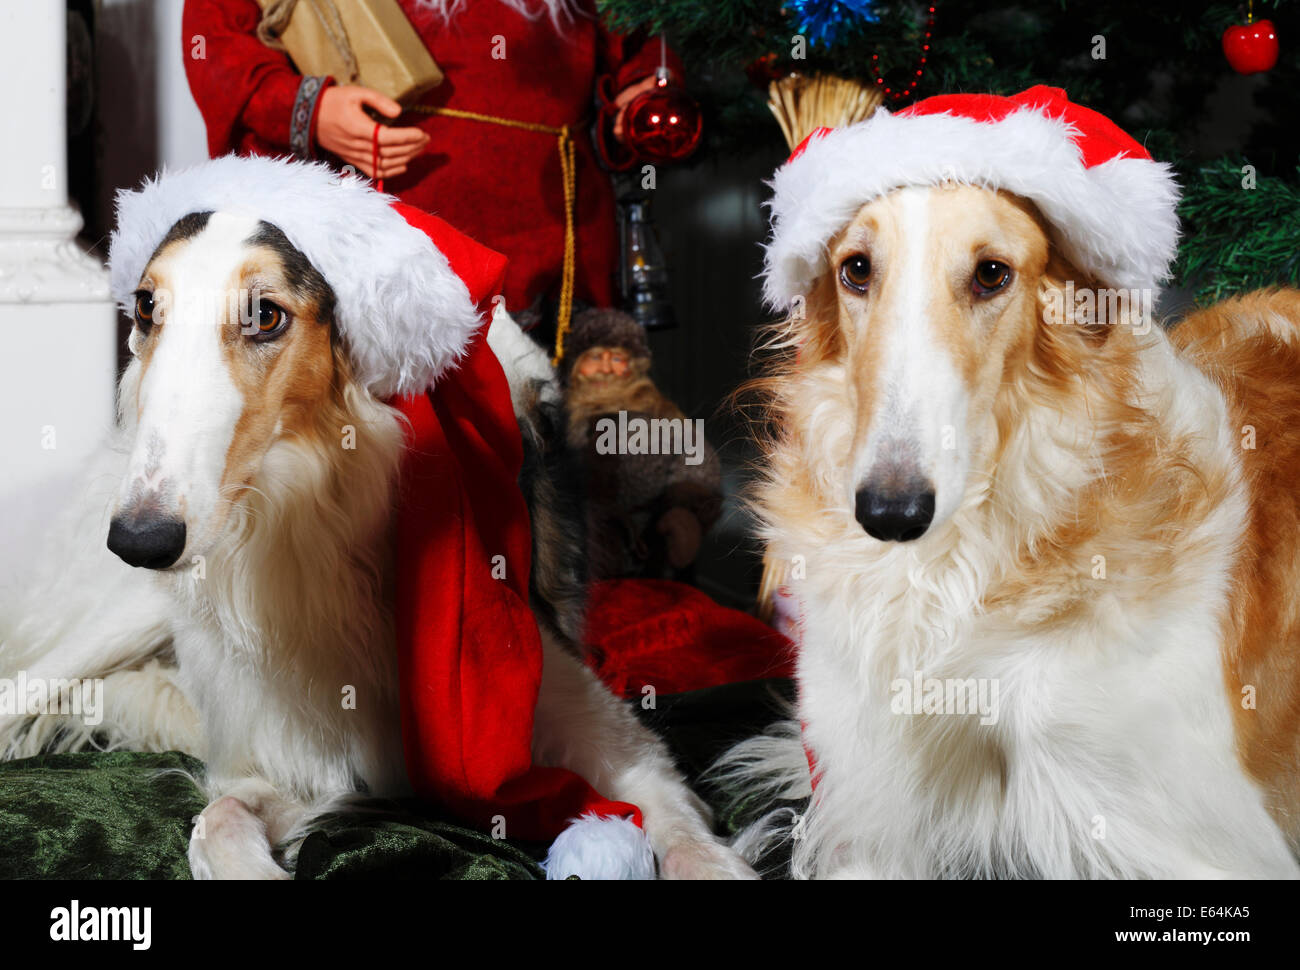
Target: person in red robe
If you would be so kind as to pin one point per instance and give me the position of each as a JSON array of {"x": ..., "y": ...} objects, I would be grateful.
[{"x": 535, "y": 61}]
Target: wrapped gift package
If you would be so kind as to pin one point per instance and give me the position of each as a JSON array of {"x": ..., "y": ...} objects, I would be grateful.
[{"x": 368, "y": 42}]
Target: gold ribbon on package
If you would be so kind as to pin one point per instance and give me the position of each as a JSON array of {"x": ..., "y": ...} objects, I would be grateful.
[{"x": 569, "y": 173}]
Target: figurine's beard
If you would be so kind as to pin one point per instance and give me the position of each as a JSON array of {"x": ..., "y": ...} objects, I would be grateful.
[
  {"x": 599, "y": 396},
  {"x": 560, "y": 12}
]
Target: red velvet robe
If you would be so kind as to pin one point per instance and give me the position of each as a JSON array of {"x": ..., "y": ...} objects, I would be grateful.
[
  {"x": 469, "y": 651},
  {"x": 499, "y": 185}
]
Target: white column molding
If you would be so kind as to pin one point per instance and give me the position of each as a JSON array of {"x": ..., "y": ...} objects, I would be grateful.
[
  {"x": 57, "y": 320},
  {"x": 41, "y": 261}
]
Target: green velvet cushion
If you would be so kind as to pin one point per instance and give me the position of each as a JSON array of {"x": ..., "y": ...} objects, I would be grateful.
[
  {"x": 101, "y": 815},
  {"x": 127, "y": 815}
]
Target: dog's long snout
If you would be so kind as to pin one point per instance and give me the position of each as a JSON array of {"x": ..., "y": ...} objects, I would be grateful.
[
  {"x": 895, "y": 516},
  {"x": 149, "y": 541}
]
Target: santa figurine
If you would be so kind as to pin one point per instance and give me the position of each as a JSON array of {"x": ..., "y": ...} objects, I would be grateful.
[
  {"x": 523, "y": 68},
  {"x": 653, "y": 484}
]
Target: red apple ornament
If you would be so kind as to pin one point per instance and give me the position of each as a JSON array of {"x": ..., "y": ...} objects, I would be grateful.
[
  {"x": 664, "y": 123},
  {"x": 1251, "y": 48}
]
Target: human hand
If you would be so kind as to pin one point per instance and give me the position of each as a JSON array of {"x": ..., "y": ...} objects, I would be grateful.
[
  {"x": 344, "y": 128},
  {"x": 626, "y": 97},
  {"x": 681, "y": 531}
]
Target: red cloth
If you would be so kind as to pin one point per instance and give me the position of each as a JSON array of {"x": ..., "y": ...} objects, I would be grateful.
[
  {"x": 1098, "y": 138},
  {"x": 469, "y": 652},
  {"x": 244, "y": 89},
  {"x": 500, "y": 185},
  {"x": 674, "y": 638}
]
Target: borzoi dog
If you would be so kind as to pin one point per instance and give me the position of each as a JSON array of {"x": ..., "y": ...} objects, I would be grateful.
[
  {"x": 228, "y": 456},
  {"x": 1045, "y": 555}
]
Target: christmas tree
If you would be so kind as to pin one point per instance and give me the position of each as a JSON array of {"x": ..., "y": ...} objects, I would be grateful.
[{"x": 1157, "y": 68}]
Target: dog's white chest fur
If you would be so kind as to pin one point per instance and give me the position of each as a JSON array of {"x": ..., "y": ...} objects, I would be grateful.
[
  {"x": 1100, "y": 747},
  {"x": 997, "y": 699},
  {"x": 311, "y": 722}
]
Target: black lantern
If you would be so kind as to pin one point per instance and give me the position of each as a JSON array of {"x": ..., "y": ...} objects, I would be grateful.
[{"x": 643, "y": 273}]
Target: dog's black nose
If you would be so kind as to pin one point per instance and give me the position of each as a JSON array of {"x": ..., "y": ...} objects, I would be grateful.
[
  {"x": 151, "y": 543},
  {"x": 894, "y": 517}
]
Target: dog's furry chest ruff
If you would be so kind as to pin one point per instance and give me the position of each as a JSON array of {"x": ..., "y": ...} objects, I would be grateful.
[
  {"x": 1078, "y": 740},
  {"x": 283, "y": 635},
  {"x": 1010, "y": 704},
  {"x": 302, "y": 704}
]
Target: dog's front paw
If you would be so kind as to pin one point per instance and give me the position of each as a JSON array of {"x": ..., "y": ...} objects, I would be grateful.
[
  {"x": 229, "y": 842},
  {"x": 703, "y": 859}
]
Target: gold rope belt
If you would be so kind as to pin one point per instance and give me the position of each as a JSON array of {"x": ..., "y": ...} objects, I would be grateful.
[{"x": 568, "y": 172}]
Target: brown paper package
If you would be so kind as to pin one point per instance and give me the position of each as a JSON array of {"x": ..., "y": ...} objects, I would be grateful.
[{"x": 390, "y": 56}]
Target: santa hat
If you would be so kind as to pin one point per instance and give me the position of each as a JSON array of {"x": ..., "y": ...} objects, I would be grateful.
[
  {"x": 413, "y": 298},
  {"x": 1111, "y": 208}
]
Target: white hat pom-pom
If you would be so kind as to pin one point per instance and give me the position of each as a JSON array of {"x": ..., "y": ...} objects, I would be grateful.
[{"x": 599, "y": 847}]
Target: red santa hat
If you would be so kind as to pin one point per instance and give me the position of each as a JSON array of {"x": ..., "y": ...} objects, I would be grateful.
[
  {"x": 1110, "y": 206},
  {"x": 413, "y": 304}
]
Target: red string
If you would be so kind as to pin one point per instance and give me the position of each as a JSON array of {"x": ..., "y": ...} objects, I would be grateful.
[{"x": 374, "y": 158}]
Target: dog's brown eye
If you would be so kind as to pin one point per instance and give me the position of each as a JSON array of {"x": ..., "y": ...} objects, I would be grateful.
[
  {"x": 144, "y": 310},
  {"x": 855, "y": 273},
  {"x": 271, "y": 320},
  {"x": 990, "y": 276}
]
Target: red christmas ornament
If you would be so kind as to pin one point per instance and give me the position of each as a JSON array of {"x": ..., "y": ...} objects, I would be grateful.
[
  {"x": 1251, "y": 48},
  {"x": 762, "y": 71},
  {"x": 664, "y": 123}
]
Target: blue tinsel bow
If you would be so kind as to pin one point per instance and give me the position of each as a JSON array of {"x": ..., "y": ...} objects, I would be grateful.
[{"x": 820, "y": 20}]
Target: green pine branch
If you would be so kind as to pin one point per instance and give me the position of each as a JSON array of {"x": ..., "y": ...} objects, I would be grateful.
[
  {"x": 1237, "y": 238},
  {"x": 1163, "y": 62},
  {"x": 1162, "y": 58}
]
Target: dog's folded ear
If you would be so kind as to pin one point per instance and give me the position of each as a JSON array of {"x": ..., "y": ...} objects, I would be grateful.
[{"x": 812, "y": 325}]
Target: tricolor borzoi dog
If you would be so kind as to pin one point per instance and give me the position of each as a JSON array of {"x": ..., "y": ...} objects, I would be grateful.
[
  {"x": 1045, "y": 556},
  {"x": 228, "y": 454}
]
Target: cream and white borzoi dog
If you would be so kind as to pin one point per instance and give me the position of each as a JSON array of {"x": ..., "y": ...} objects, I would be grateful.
[
  {"x": 228, "y": 450},
  {"x": 1046, "y": 559}
]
